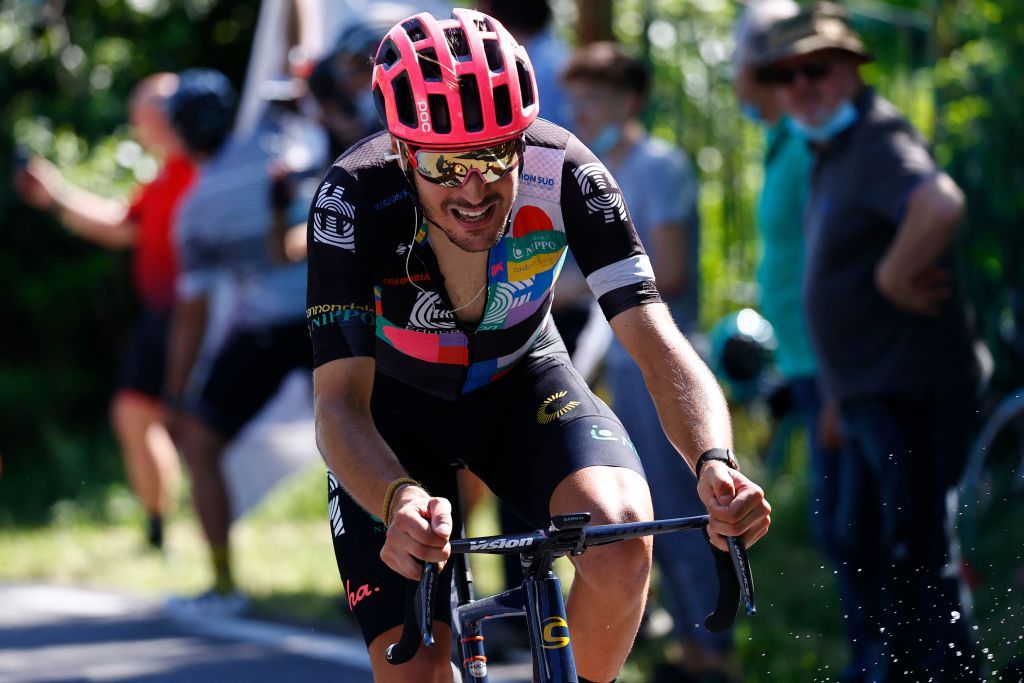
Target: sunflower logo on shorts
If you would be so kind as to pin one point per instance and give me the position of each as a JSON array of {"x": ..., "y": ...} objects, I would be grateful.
[{"x": 550, "y": 409}]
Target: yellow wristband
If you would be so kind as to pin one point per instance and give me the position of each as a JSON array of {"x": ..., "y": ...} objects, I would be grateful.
[{"x": 389, "y": 496}]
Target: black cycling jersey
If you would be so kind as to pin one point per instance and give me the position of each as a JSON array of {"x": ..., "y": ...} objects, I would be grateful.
[{"x": 375, "y": 288}]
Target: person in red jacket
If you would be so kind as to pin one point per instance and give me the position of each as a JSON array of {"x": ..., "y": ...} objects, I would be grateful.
[{"x": 143, "y": 225}]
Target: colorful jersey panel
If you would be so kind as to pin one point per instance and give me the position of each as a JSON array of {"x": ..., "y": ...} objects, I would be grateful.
[{"x": 375, "y": 288}]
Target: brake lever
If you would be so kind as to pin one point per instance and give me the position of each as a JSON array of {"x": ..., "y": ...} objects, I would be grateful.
[
  {"x": 419, "y": 618},
  {"x": 735, "y": 580}
]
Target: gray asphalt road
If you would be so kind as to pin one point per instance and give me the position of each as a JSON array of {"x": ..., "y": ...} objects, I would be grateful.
[
  {"x": 67, "y": 634},
  {"x": 56, "y": 633}
]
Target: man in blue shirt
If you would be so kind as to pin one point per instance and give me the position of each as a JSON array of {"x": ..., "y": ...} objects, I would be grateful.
[{"x": 607, "y": 89}]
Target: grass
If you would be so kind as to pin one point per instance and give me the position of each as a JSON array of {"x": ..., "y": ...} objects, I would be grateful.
[{"x": 285, "y": 562}]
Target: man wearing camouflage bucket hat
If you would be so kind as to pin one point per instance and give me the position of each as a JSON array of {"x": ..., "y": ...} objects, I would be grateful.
[{"x": 890, "y": 331}]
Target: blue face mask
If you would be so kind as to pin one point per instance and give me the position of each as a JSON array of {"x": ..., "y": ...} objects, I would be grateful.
[
  {"x": 606, "y": 139},
  {"x": 842, "y": 118},
  {"x": 752, "y": 112}
]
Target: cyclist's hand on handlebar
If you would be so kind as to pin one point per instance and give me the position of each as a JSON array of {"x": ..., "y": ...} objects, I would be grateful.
[
  {"x": 421, "y": 525},
  {"x": 735, "y": 504}
]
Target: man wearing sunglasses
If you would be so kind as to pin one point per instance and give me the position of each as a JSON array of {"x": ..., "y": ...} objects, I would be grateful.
[
  {"x": 890, "y": 331},
  {"x": 433, "y": 253}
]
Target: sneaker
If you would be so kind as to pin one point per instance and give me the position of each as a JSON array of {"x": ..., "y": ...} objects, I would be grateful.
[
  {"x": 208, "y": 604},
  {"x": 155, "y": 532}
]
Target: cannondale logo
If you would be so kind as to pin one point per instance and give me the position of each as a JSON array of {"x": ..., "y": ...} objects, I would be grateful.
[
  {"x": 334, "y": 504},
  {"x": 600, "y": 191},
  {"x": 333, "y": 218},
  {"x": 427, "y": 314},
  {"x": 506, "y": 296},
  {"x": 547, "y": 413}
]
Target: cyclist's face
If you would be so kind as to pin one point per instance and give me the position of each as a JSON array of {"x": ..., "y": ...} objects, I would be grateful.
[
  {"x": 473, "y": 214},
  {"x": 816, "y": 84}
]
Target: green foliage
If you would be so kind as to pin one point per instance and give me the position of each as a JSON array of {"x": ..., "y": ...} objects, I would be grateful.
[{"x": 980, "y": 132}]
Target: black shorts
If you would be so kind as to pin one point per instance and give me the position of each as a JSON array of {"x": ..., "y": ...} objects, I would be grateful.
[
  {"x": 522, "y": 435},
  {"x": 247, "y": 372},
  {"x": 142, "y": 370}
]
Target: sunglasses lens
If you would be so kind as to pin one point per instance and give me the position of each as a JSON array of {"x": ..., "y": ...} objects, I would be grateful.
[
  {"x": 450, "y": 169},
  {"x": 812, "y": 71},
  {"x": 783, "y": 76},
  {"x": 815, "y": 70}
]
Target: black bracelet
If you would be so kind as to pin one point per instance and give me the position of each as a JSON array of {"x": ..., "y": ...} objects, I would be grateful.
[{"x": 721, "y": 454}]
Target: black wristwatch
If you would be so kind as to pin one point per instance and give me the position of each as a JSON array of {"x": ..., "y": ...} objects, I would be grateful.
[{"x": 723, "y": 454}]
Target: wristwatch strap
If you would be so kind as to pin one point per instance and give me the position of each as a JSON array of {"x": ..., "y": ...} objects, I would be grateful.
[{"x": 723, "y": 454}]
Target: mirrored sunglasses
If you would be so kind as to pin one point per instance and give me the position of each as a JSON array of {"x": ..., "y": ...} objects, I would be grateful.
[{"x": 449, "y": 168}]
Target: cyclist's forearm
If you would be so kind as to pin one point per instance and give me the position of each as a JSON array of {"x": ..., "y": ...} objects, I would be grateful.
[
  {"x": 355, "y": 451},
  {"x": 690, "y": 404}
]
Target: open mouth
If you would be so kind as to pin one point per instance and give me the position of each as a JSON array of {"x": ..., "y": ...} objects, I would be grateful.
[{"x": 474, "y": 216}]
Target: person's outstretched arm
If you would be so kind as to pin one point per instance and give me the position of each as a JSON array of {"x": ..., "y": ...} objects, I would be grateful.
[
  {"x": 98, "y": 219},
  {"x": 695, "y": 417},
  {"x": 419, "y": 524}
]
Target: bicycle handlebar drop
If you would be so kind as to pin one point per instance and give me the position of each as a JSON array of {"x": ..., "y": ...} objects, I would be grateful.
[{"x": 568, "y": 534}]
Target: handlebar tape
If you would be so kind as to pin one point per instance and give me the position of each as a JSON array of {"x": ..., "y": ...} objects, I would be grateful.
[{"x": 419, "y": 617}]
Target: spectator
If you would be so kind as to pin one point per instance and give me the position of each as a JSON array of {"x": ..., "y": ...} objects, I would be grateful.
[
  {"x": 890, "y": 331},
  {"x": 144, "y": 226},
  {"x": 530, "y": 22},
  {"x": 780, "y": 211},
  {"x": 222, "y": 232},
  {"x": 607, "y": 90},
  {"x": 340, "y": 86}
]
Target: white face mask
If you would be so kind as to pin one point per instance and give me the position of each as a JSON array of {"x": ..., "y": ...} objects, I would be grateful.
[{"x": 842, "y": 118}]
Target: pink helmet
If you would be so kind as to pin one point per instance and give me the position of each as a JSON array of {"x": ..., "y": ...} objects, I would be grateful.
[{"x": 460, "y": 82}]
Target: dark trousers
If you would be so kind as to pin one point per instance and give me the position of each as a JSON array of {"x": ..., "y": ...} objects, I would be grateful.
[
  {"x": 902, "y": 457},
  {"x": 824, "y": 464}
]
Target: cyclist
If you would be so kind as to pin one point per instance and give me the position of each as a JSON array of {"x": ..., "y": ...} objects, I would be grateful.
[{"x": 428, "y": 307}]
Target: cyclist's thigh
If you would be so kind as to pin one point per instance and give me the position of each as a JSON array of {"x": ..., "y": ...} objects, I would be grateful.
[
  {"x": 412, "y": 424},
  {"x": 554, "y": 426},
  {"x": 375, "y": 594}
]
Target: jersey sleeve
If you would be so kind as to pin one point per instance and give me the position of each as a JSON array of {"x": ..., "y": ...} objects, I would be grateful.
[
  {"x": 601, "y": 235},
  {"x": 900, "y": 161},
  {"x": 340, "y": 308}
]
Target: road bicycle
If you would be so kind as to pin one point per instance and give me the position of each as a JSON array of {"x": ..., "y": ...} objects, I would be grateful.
[{"x": 539, "y": 598}]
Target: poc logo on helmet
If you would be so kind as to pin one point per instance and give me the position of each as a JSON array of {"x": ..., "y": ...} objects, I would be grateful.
[{"x": 424, "y": 115}]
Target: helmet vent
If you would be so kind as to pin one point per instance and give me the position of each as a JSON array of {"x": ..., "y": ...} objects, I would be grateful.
[
  {"x": 493, "y": 52},
  {"x": 483, "y": 25},
  {"x": 472, "y": 112},
  {"x": 440, "y": 118},
  {"x": 388, "y": 54},
  {"x": 414, "y": 29},
  {"x": 429, "y": 66},
  {"x": 502, "y": 105},
  {"x": 404, "y": 100},
  {"x": 458, "y": 43},
  {"x": 525, "y": 84},
  {"x": 378, "y": 103}
]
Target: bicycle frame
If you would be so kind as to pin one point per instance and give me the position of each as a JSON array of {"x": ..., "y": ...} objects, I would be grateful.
[{"x": 539, "y": 598}]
